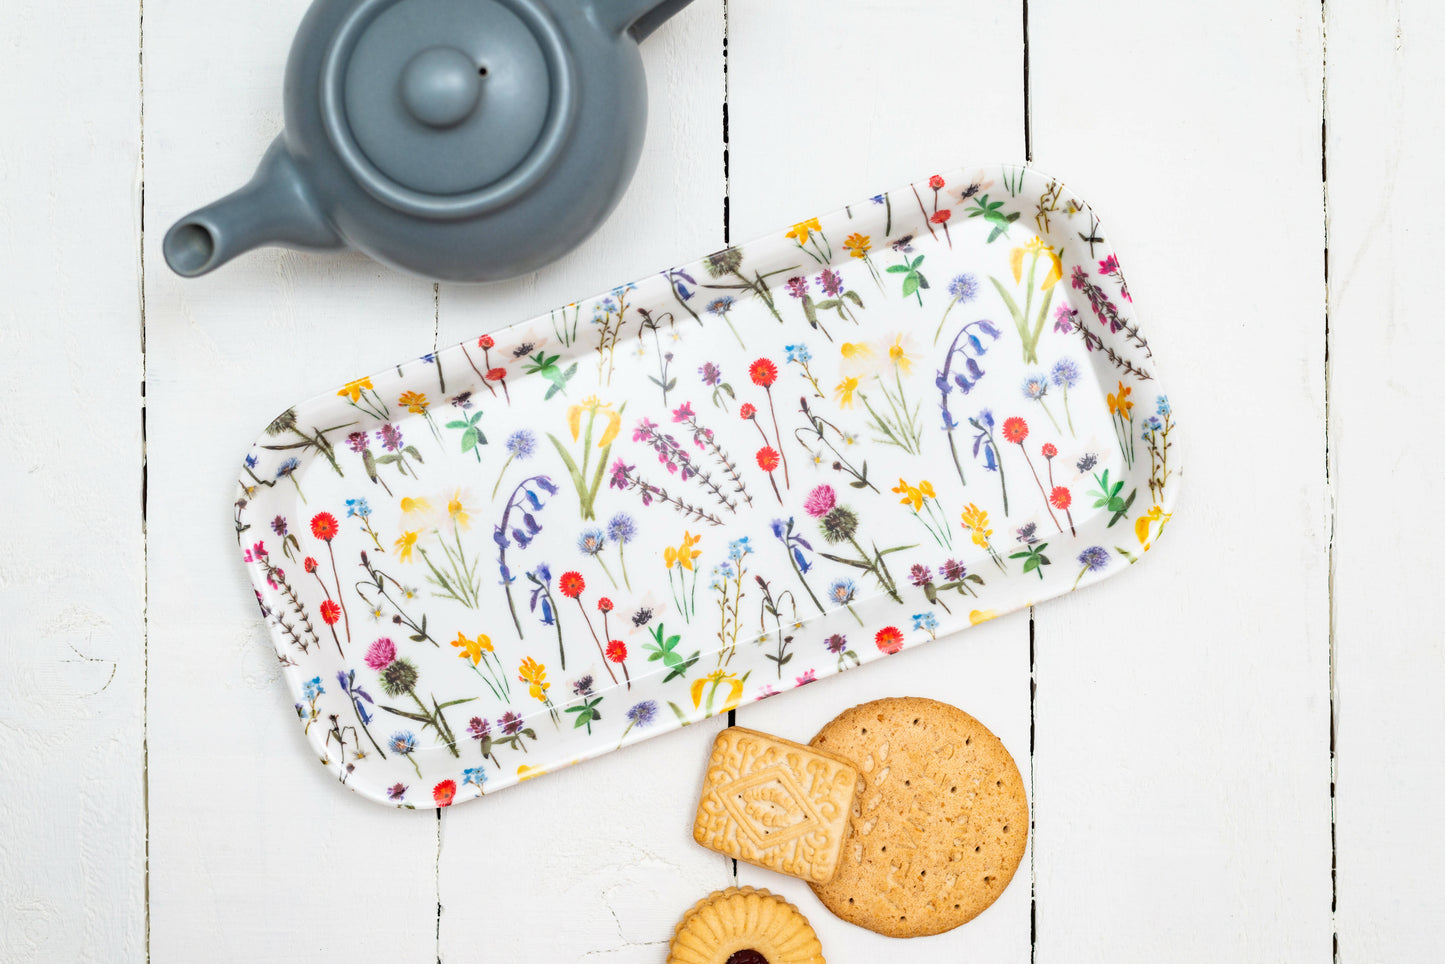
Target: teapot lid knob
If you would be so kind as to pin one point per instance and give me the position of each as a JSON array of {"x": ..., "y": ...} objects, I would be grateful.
[
  {"x": 440, "y": 86},
  {"x": 441, "y": 105}
]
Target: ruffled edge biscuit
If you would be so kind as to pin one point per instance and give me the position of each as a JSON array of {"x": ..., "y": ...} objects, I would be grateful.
[{"x": 743, "y": 918}]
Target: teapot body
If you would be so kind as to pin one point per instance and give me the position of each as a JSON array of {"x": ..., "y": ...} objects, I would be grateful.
[{"x": 462, "y": 140}]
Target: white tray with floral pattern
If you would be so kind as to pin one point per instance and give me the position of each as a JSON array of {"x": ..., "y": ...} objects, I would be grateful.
[{"x": 785, "y": 460}]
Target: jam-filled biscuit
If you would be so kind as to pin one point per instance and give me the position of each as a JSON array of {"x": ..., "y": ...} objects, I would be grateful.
[
  {"x": 742, "y": 925},
  {"x": 940, "y": 826},
  {"x": 776, "y": 804}
]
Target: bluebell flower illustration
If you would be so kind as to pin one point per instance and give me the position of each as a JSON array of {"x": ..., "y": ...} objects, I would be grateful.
[{"x": 251, "y": 461}]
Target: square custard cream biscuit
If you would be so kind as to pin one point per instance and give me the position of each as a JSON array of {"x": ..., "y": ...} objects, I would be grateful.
[{"x": 776, "y": 804}]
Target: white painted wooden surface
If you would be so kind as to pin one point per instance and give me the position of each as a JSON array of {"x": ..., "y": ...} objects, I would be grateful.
[{"x": 159, "y": 801}]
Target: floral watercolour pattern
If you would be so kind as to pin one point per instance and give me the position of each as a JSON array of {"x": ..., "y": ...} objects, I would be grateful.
[{"x": 783, "y": 461}]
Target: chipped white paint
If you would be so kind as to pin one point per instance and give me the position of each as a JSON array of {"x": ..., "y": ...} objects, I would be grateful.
[{"x": 1181, "y": 772}]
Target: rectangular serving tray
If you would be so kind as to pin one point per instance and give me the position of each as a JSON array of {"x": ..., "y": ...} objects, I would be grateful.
[{"x": 785, "y": 460}]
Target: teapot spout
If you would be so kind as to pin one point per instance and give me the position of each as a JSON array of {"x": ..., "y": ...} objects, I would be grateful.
[
  {"x": 638, "y": 17},
  {"x": 275, "y": 207}
]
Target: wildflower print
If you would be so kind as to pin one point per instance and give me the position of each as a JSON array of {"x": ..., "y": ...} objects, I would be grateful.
[
  {"x": 403, "y": 744},
  {"x": 521, "y": 445},
  {"x": 479, "y": 480},
  {"x": 325, "y": 528},
  {"x": 799, "y": 355},
  {"x": 962, "y": 289},
  {"x": 663, "y": 648},
  {"x": 808, "y": 236},
  {"x": 899, "y": 423},
  {"x": 1155, "y": 434},
  {"x": 1108, "y": 495},
  {"x": 889, "y": 639},
  {"x": 444, "y": 792},
  {"x": 1035, "y": 388},
  {"x": 975, "y": 520},
  {"x": 1065, "y": 375},
  {"x": 478, "y": 650},
  {"x": 859, "y": 246},
  {"x": 534, "y": 674},
  {"x": 1121, "y": 413},
  {"x": 729, "y": 263},
  {"x": 1016, "y": 430},
  {"x": 924, "y": 502},
  {"x": 682, "y": 559},
  {"x": 837, "y": 645},
  {"x": 1033, "y": 557},
  {"x": 962, "y": 372},
  {"x": 1093, "y": 559}
]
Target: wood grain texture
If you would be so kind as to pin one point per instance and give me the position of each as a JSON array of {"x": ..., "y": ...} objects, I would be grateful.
[
  {"x": 256, "y": 853},
  {"x": 829, "y": 103},
  {"x": 72, "y": 655},
  {"x": 1384, "y": 78},
  {"x": 1182, "y": 754}
]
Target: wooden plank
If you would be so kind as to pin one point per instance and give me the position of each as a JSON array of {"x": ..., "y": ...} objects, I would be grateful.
[
  {"x": 599, "y": 861},
  {"x": 256, "y": 853},
  {"x": 72, "y": 658},
  {"x": 1384, "y": 77},
  {"x": 871, "y": 100},
  {"x": 1182, "y": 727}
]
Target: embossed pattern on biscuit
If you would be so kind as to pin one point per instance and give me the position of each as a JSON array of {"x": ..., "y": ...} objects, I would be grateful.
[
  {"x": 940, "y": 826},
  {"x": 742, "y": 925},
  {"x": 776, "y": 804}
]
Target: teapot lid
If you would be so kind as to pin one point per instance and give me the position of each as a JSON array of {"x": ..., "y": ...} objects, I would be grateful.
[{"x": 447, "y": 108}]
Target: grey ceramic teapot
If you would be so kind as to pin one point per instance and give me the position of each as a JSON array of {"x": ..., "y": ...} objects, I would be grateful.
[{"x": 464, "y": 140}]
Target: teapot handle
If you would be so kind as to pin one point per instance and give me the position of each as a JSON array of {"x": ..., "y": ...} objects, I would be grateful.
[{"x": 637, "y": 17}]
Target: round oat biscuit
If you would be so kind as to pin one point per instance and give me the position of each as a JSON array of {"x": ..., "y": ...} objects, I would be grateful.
[
  {"x": 743, "y": 925},
  {"x": 940, "y": 826}
]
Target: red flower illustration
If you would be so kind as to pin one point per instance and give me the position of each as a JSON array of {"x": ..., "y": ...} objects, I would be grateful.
[
  {"x": 1049, "y": 450},
  {"x": 763, "y": 372},
  {"x": 941, "y": 217},
  {"x": 496, "y": 374},
  {"x": 889, "y": 639},
  {"x": 617, "y": 651},
  {"x": 323, "y": 526},
  {"x": 330, "y": 612},
  {"x": 1060, "y": 497},
  {"x": 572, "y": 584},
  {"x": 443, "y": 793},
  {"x": 1015, "y": 430},
  {"x": 936, "y": 182},
  {"x": 748, "y": 410},
  {"x": 485, "y": 342},
  {"x": 310, "y": 564},
  {"x": 604, "y": 604},
  {"x": 768, "y": 459}
]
